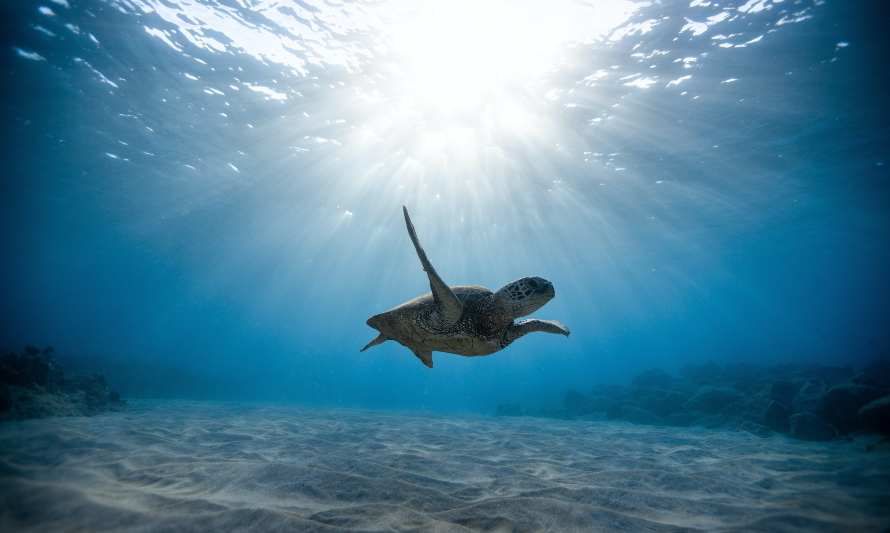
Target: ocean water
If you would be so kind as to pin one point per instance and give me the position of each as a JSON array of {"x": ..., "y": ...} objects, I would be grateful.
[{"x": 202, "y": 200}]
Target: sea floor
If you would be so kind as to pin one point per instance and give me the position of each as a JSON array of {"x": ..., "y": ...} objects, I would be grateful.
[{"x": 180, "y": 466}]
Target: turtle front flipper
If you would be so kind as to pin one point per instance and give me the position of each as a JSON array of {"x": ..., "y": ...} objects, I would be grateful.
[
  {"x": 531, "y": 325},
  {"x": 425, "y": 356},
  {"x": 449, "y": 306},
  {"x": 547, "y": 326}
]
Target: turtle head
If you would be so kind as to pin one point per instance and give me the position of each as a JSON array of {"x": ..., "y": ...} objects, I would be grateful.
[{"x": 524, "y": 296}]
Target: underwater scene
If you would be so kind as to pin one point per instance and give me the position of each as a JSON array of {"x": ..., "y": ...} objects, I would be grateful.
[{"x": 406, "y": 265}]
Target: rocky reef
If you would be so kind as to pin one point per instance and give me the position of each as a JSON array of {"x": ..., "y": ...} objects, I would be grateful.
[
  {"x": 809, "y": 402},
  {"x": 33, "y": 385}
]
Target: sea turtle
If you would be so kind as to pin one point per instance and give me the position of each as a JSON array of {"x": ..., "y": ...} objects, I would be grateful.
[{"x": 466, "y": 319}]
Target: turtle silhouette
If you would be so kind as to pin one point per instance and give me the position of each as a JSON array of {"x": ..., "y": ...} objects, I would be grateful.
[{"x": 465, "y": 320}]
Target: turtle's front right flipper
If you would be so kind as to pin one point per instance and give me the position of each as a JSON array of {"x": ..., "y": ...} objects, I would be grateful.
[{"x": 450, "y": 308}]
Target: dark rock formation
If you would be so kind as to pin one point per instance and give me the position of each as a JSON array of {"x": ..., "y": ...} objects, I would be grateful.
[
  {"x": 875, "y": 374},
  {"x": 578, "y": 404},
  {"x": 713, "y": 400},
  {"x": 811, "y": 402},
  {"x": 875, "y": 415},
  {"x": 809, "y": 396},
  {"x": 776, "y": 416},
  {"x": 808, "y": 426},
  {"x": 709, "y": 372},
  {"x": 655, "y": 378},
  {"x": 753, "y": 427},
  {"x": 33, "y": 385},
  {"x": 784, "y": 391},
  {"x": 661, "y": 402},
  {"x": 841, "y": 404}
]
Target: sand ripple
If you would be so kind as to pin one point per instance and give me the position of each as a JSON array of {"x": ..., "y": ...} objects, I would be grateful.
[{"x": 177, "y": 466}]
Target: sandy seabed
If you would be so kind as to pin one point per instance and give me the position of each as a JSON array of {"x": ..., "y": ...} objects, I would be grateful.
[{"x": 179, "y": 466}]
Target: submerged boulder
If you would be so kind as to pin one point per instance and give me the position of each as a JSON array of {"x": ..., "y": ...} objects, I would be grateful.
[
  {"x": 709, "y": 372},
  {"x": 32, "y": 367},
  {"x": 661, "y": 402},
  {"x": 655, "y": 378},
  {"x": 754, "y": 428},
  {"x": 840, "y": 405},
  {"x": 784, "y": 391},
  {"x": 776, "y": 417},
  {"x": 875, "y": 415},
  {"x": 875, "y": 374},
  {"x": 712, "y": 400},
  {"x": 578, "y": 404},
  {"x": 806, "y": 401},
  {"x": 743, "y": 377},
  {"x": 808, "y": 426},
  {"x": 5, "y": 399},
  {"x": 832, "y": 375},
  {"x": 809, "y": 396},
  {"x": 33, "y": 385}
]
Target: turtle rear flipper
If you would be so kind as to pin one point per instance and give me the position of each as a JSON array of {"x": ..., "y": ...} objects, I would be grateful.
[{"x": 379, "y": 339}]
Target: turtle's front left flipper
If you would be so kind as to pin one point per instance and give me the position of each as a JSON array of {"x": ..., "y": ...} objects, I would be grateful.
[
  {"x": 425, "y": 356},
  {"x": 450, "y": 308},
  {"x": 532, "y": 325},
  {"x": 547, "y": 326}
]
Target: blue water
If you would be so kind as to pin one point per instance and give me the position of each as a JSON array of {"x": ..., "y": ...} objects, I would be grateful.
[{"x": 202, "y": 199}]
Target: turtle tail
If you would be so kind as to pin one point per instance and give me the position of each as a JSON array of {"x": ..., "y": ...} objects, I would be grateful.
[{"x": 379, "y": 339}]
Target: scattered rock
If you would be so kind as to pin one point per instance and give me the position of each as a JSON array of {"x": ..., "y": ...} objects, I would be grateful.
[
  {"x": 841, "y": 404},
  {"x": 832, "y": 375},
  {"x": 659, "y": 401},
  {"x": 713, "y": 400},
  {"x": 784, "y": 391},
  {"x": 755, "y": 429},
  {"x": 811, "y": 402},
  {"x": 709, "y": 372},
  {"x": 776, "y": 417},
  {"x": 653, "y": 379},
  {"x": 33, "y": 385},
  {"x": 875, "y": 415},
  {"x": 875, "y": 374},
  {"x": 31, "y": 368},
  {"x": 5, "y": 399},
  {"x": 882, "y": 445},
  {"x": 576, "y": 403},
  {"x": 808, "y": 426},
  {"x": 809, "y": 396},
  {"x": 743, "y": 377}
]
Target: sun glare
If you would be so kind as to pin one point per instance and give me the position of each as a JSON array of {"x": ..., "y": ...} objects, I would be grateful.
[
  {"x": 462, "y": 56},
  {"x": 456, "y": 58},
  {"x": 465, "y": 69}
]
